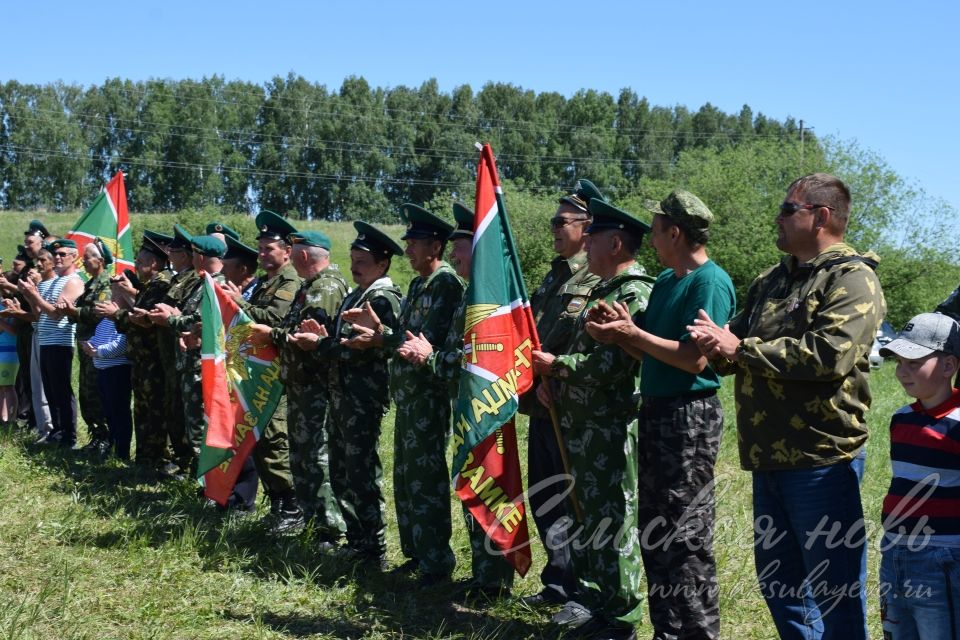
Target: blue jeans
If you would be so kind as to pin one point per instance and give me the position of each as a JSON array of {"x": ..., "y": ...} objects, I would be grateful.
[
  {"x": 810, "y": 550},
  {"x": 920, "y": 593}
]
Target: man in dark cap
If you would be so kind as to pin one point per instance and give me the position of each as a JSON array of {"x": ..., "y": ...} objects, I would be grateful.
[
  {"x": 556, "y": 305},
  {"x": 96, "y": 258},
  {"x": 492, "y": 575},
  {"x": 421, "y": 481},
  {"x": 593, "y": 388},
  {"x": 34, "y": 237},
  {"x": 240, "y": 268},
  {"x": 681, "y": 420},
  {"x": 359, "y": 397},
  {"x": 268, "y": 306},
  {"x": 145, "y": 343}
]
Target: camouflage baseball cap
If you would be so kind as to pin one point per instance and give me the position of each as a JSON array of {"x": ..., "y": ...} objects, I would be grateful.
[
  {"x": 683, "y": 207},
  {"x": 923, "y": 335}
]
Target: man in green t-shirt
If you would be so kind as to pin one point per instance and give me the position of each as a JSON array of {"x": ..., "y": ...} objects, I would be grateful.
[{"x": 681, "y": 420}]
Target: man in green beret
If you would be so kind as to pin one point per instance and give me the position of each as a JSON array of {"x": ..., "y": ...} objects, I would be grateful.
[
  {"x": 96, "y": 258},
  {"x": 492, "y": 575},
  {"x": 145, "y": 344},
  {"x": 593, "y": 388},
  {"x": 421, "y": 480},
  {"x": 268, "y": 305},
  {"x": 681, "y": 420},
  {"x": 556, "y": 305},
  {"x": 318, "y": 298},
  {"x": 207, "y": 253},
  {"x": 358, "y": 389},
  {"x": 222, "y": 231}
]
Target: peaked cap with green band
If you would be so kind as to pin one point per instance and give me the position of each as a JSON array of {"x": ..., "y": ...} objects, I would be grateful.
[
  {"x": 423, "y": 225},
  {"x": 219, "y": 227},
  {"x": 181, "y": 238},
  {"x": 371, "y": 239},
  {"x": 607, "y": 217},
  {"x": 104, "y": 250},
  {"x": 160, "y": 239},
  {"x": 150, "y": 245},
  {"x": 310, "y": 239},
  {"x": 683, "y": 207},
  {"x": 208, "y": 246},
  {"x": 273, "y": 226},
  {"x": 583, "y": 193},
  {"x": 236, "y": 249},
  {"x": 464, "y": 218},
  {"x": 36, "y": 228}
]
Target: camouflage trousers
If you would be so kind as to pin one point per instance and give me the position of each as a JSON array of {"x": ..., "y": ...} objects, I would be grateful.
[
  {"x": 421, "y": 482},
  {"x": 191, "y": 395},
  {"x": 89, "y": 399},
  {"x": 355, "y": 470},
  {"x": 272, "y": 454},
  {"x": 603, "y": 548},
  {"x": 149, "y": 409},
  {"x": 488, "y": 565},
  {"x": 174, "y": 428},
  {"x": 310, "y": 457},
  {"x": 679, "y": 442}
]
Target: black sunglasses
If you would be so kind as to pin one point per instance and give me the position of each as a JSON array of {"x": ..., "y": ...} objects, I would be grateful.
[
  {"x": 787, "y": 209},
  {"x": 559, "y": 222}
]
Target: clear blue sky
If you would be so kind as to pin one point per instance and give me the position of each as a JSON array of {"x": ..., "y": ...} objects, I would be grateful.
[{"x": 882, "y": 73}]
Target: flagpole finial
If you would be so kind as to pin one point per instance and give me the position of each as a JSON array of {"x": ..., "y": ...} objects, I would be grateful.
[{"x": 478, "y": 146}]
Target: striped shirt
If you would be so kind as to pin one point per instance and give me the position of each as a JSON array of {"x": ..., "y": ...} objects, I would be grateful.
[
  {"x": 111, "y": 346},
  {"x": 56, "y": 332},
  {"x": 922, "y": 506}
]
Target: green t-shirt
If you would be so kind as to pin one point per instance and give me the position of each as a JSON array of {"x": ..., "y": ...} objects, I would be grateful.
[{"x": 674, "y": 303}]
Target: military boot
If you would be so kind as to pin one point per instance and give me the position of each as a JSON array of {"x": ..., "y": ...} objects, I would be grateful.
[{"x": 289, "y": 517}]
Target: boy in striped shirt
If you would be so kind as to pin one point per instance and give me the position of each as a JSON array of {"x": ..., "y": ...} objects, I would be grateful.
[{"x": 920, "y": 567}]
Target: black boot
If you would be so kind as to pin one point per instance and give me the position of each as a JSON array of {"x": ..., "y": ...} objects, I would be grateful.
[{"x": 289, "y": 517}]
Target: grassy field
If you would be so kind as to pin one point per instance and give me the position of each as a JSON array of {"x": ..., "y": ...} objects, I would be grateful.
[{"x": 91, "y": 550}]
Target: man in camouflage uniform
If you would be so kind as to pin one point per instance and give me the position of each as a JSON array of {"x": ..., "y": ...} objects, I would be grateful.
[
  {"x": 492, "y": 574},
  {"x": 799, "y": 352},
  {"x": 319, "y": 296},
  {"x": 556, "y": 305},
  {"x": 421, "y": 481},
  {"x": 593, "y": 387},
  {"x": 268, "y": 305},
  {"x": 96, "y": 258},
  {"x": 359, "y": 396},
  {"x": 144, "y": 348},
  {"x": 681, "y": 420},
  {"x": 182, "y": 320}
]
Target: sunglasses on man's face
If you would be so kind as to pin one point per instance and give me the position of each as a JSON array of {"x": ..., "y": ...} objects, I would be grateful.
[
  {"x": 787, "y": 209},
  {"x": 62, "y": 254},
  {"x": 559, "y": 222}
]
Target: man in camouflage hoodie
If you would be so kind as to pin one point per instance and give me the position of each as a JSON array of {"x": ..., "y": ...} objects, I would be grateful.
[
  {"x": 799, "y": 352},
  {"x": 594, "y": 387}
]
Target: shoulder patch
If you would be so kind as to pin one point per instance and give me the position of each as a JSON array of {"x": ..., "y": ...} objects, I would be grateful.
[
  {"x": 284, "y": 295},
  {"x": 576, "y": 304}
]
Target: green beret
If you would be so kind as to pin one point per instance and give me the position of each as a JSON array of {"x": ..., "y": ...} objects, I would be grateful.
[
  {"x": 272, "y": 226},
  {"x": 421, "y": 224},
  {"x": 36, "y": 228},
  {"x": 236, "y": 249},
  {"x": 607, "y": 217},
  {"x": 104, "y": 250},
  {"x": 464, "y": 218},
  {"x": 684, "y": 207},
  {"x": 310, "y": 239},
  {"x": 371, "y": 239},
  {"x": 219, "y": 227},
  {"x": 63, "y": 243},
  {"x": 583, "y": 193},
  {"x": 181, "y": 238},
  {"x": 208, "y": 246}
]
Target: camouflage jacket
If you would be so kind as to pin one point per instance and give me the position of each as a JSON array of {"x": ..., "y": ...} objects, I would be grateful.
[
  {"x": 362, "y": 372},
  {"x": 428, "y": 308},
  {"x": 189, "y": 316},
  {"x": 94, "y": 290},
  {"x": 951, "y": 306},
  {"x": 318, "y": 298},
  {"x": 556, "y": 305},
  {"x": 143, "y": 342},
  {"x": 271, "y": 300},
  {"x": 447, "y": 362},
  {"x": 801, "y": 373},
  {"x": 597, "y": 383}
]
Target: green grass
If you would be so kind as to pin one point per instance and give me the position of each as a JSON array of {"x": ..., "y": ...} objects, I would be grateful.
[{"x": 90, "y": 550}]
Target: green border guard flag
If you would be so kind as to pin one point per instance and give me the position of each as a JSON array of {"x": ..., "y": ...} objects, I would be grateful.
[{"x": 107, "y": 218}]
